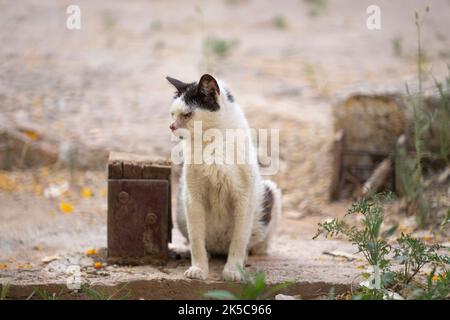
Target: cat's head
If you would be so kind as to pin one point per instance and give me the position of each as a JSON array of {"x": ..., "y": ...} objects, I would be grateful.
[{"x": 195, "y": 101}]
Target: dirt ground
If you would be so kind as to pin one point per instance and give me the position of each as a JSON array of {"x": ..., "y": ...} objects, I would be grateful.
[{"x": 103, "y": 87}]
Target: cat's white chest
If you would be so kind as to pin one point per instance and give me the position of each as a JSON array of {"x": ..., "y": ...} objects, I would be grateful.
[{"x": 219, "y": 212}]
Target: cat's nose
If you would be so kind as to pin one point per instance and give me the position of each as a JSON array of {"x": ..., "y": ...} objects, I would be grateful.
[{"x": 173, "y": 127}]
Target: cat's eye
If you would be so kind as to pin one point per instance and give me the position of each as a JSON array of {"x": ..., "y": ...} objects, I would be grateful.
[{"x": 187, "y": 115}]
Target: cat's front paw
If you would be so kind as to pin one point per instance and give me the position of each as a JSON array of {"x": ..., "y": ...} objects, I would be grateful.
[
  {"x": 196, "y": 273},
  {"x": 231, "y": 274}
]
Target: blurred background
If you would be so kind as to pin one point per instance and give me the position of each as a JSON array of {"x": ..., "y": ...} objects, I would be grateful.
[{"x": 69, "y": 97}]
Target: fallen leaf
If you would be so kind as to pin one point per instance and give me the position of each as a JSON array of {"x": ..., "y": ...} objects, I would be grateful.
[
  {"x": 91, "y": 252},
  {"x": 362, "y": 267},
  {"x": 66, "y": 207},
  {"x": 33, "y": 135},
  {"x": 86, "y": 192},
  {"x": 3, "y": 266}
]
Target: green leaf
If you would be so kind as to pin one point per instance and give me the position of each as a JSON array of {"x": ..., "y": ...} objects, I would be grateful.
[
  {"x": 260, "y": 282},
  {"x": 220, "y": 295},
  {"x": 278, "y": 287}
]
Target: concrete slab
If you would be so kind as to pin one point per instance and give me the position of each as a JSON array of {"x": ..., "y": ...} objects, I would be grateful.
[{"x": 299, "y": 261}]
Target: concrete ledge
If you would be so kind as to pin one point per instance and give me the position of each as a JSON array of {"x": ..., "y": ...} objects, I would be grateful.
[{"x": 300, "y": 262}]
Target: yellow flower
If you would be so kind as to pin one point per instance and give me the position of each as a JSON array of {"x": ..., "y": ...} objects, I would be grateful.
[
  {"x": 66, "y": 207},
  {"x": 435, "y": 278},
  {"x": 98, "y": 265},
  {"x": 86, "y": 192},
  {"x": 33, "y": 135},
  {"x": 91, "y": 252}
]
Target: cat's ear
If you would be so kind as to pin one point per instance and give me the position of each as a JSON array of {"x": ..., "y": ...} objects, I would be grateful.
[
  {"x": 208, "y": 85},
  {"x": 179, "y": 85}
]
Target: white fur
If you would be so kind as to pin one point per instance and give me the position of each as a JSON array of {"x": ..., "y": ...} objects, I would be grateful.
[{"x": 220, "y": 205}]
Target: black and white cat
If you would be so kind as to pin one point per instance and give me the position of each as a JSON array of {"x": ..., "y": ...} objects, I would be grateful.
[{"x": 222, "y": 208}]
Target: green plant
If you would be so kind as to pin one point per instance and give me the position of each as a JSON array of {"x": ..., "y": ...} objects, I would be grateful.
[
  {"x": 218, "y": 47},
  {"x": 215, "y": 49},
  {"x": 437, "y": 287},
  {"x": 279, "y": 22},
  {"x": 45, "y": 295},
  {"x": 410, "y": 170},
  {"x": 365, "y": 293},
  {"x": 443, "y": 118},
  {"x": 4, "y": 292},
  {"x": 315, "y": 7},
  {"x": 98, "y": 295},
  {"x": 253, "y": 288},
  {"x": 413, "y": 254},
  {"x": 331, "y": 294},
  {"x": 397, "y": 46},
  {"x": 367, "y": 239},
  {"x": 446, "y": 219}
]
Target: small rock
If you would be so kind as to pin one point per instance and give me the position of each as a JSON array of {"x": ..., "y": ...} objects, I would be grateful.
[
  {"x": 444, "y": 176},
  {"x": 445, "y": 244},
  {"x": 391, "y": 295},
  {"x": 294, "y": 215},
  {"x": 341, "y": 254},
  {"x": 48, "y": 259}
]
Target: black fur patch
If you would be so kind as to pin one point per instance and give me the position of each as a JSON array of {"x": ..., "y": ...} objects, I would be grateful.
[
  {"x": 194, "y": 98},
  {"x": 178, "y": 93},
  {"x": 230, "y": 96},
  {"x": 267, "y": 205}
]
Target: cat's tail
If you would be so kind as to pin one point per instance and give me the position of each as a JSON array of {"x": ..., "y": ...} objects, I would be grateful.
[{"x": 270, "y": 213}]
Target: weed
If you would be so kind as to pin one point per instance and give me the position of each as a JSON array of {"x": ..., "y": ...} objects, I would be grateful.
[
  {"x": 253, "y": 288},
  {"x": 437, "y": 287},
  {"x": 4, "y": 292},
  {"x": 218, "y": 47},
  {"x": 315, "y": 7},
  {"x": 397, "y": 46},
  {"x": 98, "y": 295},
  {"x": 424, "y": 124},
  {"x": 331, "y": 294},
  {"x": 443, "y": 118},
  {"x": 366, "y": 293},
  {"x": 279, "y": 22},
  {"x": 367, "y": 239},
  {"x": 413, "y": 254},
  {"x": 45, "y": 295}
]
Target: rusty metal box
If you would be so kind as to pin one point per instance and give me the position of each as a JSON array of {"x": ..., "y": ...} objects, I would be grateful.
[{"x": 139, "y": 209}]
